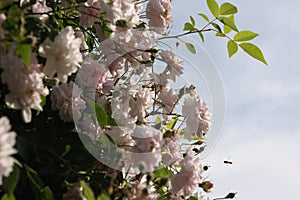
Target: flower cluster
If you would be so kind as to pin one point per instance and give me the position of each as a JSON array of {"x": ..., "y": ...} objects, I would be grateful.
[
  {"x": 100, "y": 68},
  {"x": 25, "y": 84}
]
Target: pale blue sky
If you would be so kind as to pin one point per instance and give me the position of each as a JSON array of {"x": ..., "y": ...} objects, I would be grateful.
[{"x": 261, "y": 132}]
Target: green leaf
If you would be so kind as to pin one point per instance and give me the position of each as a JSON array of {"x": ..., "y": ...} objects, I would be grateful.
[
  {"x": 188, "y": 26},
  {"x": 8, "y": 196},
  {"x": 228, "y": 9},
  {"x": 47, "y": 193},
  {"x": 101, "y": 115},
  {"x": 192, "y": 20},
  {"x": 33, "y": 177},
  {"x": 229, "y": 21},
  {"x": 213, "y": 7},
  {"x": 193, "y": 198},
  {"x": 204, "y": 17},
  {"x": 253, "y": 51},
  {"x": 10, "y": 182},
  {"x": 201, "y": 36},
  {"x": 162, "y": 173},
  {"x": 232, "y": 48},
  {"x": 23, "y": 51},
  {"x": 245, "y": 36},
  {"x": 171, "y": 124},
  {"x": 227, "y": 29},
  {"x": 87, "y": 191},
  {"x": 217, "y": 27},
  {"x": 220, "y": 35},
  {"x": 157, "y": 119},
  {"x": 43, "y": 102},
  {"x": 190, "y": 47}
]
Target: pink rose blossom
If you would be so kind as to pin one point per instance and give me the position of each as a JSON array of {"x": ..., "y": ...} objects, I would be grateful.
[
  {"x": 198, "y": 117},
  {"x": 171, "y": 149},
  {"x": 174, "y": 64},
  {"x": 158, "y": 12},
  {"x": 121, "y": 105},
  {"x": 132, "y": 40},
  {"x": 121, "y": 136},
  {"x": 141, "y": 101},
  {"x": 160, "y": 79},
  {"x": 147, "y": 139},
  {"x": 83, "y": 47},
  {"x": 69, "y": 106},
  {"x": 95, "y": 75},
  {"x": 168, "y": 100},
  {"x": 121, "y": 14},
  {"x": 190, "y": 175},
  {"x": 25, "y": 84},
  {"x": 41, "y": 7},
  {"x": 89, "y": 13}
]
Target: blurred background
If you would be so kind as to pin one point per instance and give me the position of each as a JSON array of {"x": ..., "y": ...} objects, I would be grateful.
[{"x": 261, "y": 132}]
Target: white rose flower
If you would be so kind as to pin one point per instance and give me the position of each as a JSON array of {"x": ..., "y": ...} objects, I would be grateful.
[
  {"x": 63, "y": 54},
  {"x": 7, "y": 141}
]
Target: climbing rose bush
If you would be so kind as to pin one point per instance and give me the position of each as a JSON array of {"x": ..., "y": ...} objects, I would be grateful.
[{"x": 89, "y": 104}]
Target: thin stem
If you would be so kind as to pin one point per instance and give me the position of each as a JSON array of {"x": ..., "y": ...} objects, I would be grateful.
[{"x": 191, "y": 31}]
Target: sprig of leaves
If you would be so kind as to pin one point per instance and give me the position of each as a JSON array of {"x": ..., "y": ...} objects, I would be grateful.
[{"x": 223, "y": 24}]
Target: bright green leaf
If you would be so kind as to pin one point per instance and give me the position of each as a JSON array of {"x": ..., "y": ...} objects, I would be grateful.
[
  {"x": 10, "y": 182},
  {"x": 232, "y": 48},
  {"x": 188, "y": 26},
  {"x": 87, "y": 191},
  {"x": 171, "y": 124},
  {"x": 201, "y": 36},
  {"x": 213, "y": 7},
  {"x": 228, "y": 9},
  {"x": 190, "y": 47},
  {"x": 23, "y": 51},
  {"x": 220, "y": 35},
  {"x": 229, "y": 21},
  {"x": 192, "y": 20},
  {"x": 227, "y": 29},
  {"x": 157, "y": 119},
  {"x": 245, "y": 36},
  {"x": 253, "y": 51},
  {"x": 162, "y": 173},
  {"x": 203, "y": 16},
  {"x": 8, "y": 196}
]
